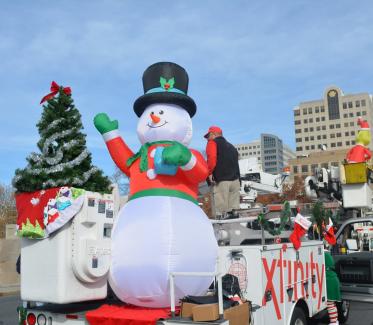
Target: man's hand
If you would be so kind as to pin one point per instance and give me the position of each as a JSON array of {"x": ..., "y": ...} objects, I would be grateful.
[
  {"x": 103, "y": 124},
  {"x": 176, "y": 154}
]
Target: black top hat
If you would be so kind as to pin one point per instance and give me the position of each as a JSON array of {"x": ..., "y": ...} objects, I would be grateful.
[{"x": 165, "y": 82}]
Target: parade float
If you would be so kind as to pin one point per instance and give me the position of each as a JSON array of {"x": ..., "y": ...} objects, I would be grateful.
[{"x": 160, "y": 251}]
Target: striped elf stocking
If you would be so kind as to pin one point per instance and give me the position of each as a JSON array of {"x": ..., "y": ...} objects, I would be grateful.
[{"x": 333, "y": 313}]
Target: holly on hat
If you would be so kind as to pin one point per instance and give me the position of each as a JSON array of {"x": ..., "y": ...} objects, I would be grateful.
[
  {"x": 363, "y": 124},
  {"x": 165, "y": 82}
]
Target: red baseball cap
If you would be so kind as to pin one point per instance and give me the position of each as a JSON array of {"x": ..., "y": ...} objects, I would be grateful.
[{"x": 214, "y": 129}]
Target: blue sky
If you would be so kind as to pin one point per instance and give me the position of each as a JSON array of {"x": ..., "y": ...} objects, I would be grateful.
[{"x": 249, "y": 63}]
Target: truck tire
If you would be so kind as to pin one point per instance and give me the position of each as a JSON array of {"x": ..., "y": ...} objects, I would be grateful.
[
  {"x": 298, "y": 317},
  {"x": 343, "y": 311}
]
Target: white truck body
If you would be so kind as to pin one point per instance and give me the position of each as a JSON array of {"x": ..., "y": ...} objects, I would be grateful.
[
  {"x": 72, "y": 264},
  {"x": 275, "y": 278}
]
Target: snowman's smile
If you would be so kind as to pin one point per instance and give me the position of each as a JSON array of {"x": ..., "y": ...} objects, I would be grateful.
[{"x": 155, "y": 127}]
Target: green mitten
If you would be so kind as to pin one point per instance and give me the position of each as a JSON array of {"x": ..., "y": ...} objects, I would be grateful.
[
  {"x": 176, "y": 154},
  {"x": 103, "y": 123}
]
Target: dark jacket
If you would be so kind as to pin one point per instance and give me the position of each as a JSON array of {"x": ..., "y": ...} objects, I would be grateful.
[{"x": 226, "y": 168}]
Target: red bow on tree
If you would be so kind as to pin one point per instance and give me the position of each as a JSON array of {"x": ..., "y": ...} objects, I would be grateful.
[{"x": 54, "y": 90}]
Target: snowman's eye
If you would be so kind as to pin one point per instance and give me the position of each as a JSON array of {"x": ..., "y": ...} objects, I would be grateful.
[{"x": 161, "y": 112}]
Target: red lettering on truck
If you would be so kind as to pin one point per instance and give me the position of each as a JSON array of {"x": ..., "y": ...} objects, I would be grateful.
[{"x": 279, "y": 265}]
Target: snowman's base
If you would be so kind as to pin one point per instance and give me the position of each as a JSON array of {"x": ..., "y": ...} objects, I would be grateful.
[{"x": 124, "y": 315}]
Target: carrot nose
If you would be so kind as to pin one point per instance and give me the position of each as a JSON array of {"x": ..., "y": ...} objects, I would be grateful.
[{"x": 155, "y": 118}]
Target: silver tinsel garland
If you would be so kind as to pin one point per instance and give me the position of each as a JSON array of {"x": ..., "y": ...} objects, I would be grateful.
[
  {"x": 71, "y": 181},
  {"x": 55, "y": 161},
  {"x": 58, "y": 168},
  {"x": 52, "y": 125}
]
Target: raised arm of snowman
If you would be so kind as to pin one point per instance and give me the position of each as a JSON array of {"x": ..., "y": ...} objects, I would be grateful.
[{"x": 164, "y": 162}]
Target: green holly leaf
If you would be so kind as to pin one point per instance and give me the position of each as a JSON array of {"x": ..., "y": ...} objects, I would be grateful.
[
  {"x": 171, "y": 82},
  {"x": 163, "y": 81}
]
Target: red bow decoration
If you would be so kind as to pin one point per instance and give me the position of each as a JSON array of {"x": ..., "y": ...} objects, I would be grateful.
[{"x": 54, "y": 90}]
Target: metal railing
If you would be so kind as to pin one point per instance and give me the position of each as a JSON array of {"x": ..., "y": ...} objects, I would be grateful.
[{"x": 218, "y": 277}]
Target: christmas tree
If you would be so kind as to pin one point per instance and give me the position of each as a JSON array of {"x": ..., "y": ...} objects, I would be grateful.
[{"x": 63, "y": 159}]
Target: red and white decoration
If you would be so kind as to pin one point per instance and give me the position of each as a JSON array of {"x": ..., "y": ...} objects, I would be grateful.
[{"x": 301, "y": 226}]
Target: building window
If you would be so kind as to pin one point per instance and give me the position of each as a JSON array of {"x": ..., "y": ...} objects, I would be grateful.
[
  {"x": 319, "y": 137},
  {"x": 309, "y": 110},
  {"x": 304, "y": 168},
  {"x": 344, "y": 105},
  {"x": 298, "y": 140},
  {"x": 346, "y": 124},
  {"x": 317, "y": 119},
  {"x": 332, "y": 145},
  {"x": 298, "y": 131},
  {"x": 312, "y": 138},
  {"x": 347, "y": 143},
  {"x": 323, "y": 118},
  {"x": 358, "y": 114},
  {"x": 324, "y": 127},
  {"x": 324, "y": 165},
  {"x": 357, "y": 103},
  {"x": 364, "y": 112},
  {"x": 307, "y": 147},
  {"x": 337, "y": 126},
  {"x": 352, "y": 132},
  {"x": 299, "y": 148},
  {"x": 322, "y": 109},
  {"x": 353, "y": 142},
  {"x": 351, "y": 123},
  {"x": 305, "y": 121},
  {"x": 296, "y": 112},
  {"x": 363, "y": 102},
  {"x": 345, "y": 115},
  {"x": 311, "y": 129},
  {"x": 318, "y": 128},
  {"x": 333, "y": 105},
  {"x": 295, "y": 169},
  {"x": 339, "y": 144},
  {"x": 351, "y": 114},
  {"x": 310, "y": 120},
  {"x": 316, "y": 109},
  {"x": 313, "y": 167},
  {"x": 304, "y": 111},
  {"x": 349, "y": 104},
  {"x": 324, "y": 136},
  {"x": 347, "y": 134},
  {"x": 332, "y": 136},
  {"x": 338, "y": 135},
  {"x": 334, "y": 163},
  {"x": 313, "y": 147},
  {"x": 306, "y": 130},
  {"x": 331, "y": 126},
  {"x": 306, "y": 139}
]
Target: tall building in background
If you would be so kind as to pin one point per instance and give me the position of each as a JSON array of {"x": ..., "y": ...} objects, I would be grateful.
[
  {"x": 330, "y": 122},
  {"x": 270, "y": 152},
  {"x": 326, "y": 129}
]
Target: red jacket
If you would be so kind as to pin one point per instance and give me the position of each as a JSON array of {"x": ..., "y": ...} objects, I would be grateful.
[
  {"x": 185, "y": 181},
  {"x": 358, "y": 153}
]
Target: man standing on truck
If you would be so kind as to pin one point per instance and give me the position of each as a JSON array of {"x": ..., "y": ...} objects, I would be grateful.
[{"x": 224, "y": 172}]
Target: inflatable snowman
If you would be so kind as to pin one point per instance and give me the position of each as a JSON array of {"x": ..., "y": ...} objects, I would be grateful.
[{"x": 161, "y": 229}]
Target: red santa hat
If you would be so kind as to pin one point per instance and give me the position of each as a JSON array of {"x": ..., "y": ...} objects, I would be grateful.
[{"x": 363, "y": 124}]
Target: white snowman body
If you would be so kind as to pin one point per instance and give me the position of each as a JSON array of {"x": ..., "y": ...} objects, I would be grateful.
[{"x": 156, "y": 235}]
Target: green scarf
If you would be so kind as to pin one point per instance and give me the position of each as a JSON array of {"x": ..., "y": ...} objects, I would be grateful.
[{"x": 143, "y": 154}]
